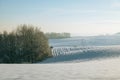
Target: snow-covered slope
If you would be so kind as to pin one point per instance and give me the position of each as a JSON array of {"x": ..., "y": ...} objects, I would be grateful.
[{"x": 78, "y": 54}]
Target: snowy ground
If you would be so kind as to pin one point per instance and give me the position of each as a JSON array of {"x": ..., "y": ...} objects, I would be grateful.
[
  {"x": 86, "y": 53},
  {"x": 104, "y": 69}
]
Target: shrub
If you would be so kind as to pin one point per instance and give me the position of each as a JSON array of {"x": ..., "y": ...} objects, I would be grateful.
[{"x": 24, "y": 45}]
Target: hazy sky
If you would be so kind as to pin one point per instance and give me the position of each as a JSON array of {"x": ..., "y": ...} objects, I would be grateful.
[{"x": 83, "y": 17}]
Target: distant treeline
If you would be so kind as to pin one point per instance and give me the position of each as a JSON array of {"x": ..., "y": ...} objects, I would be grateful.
[
  {"x": 24, "y": 45},
  {"x": 54, "y": 35}
]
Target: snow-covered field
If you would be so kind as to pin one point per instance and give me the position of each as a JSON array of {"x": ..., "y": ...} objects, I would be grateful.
[
  {"x": 83, "y": 53},
  {"x": 104, "y": 69},
  {"x": 69, "y": 62}
]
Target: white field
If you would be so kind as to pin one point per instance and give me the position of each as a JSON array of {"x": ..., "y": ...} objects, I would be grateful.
[
  {"x": 104, "y": 69},
  {"x": 83, "y": 53}
]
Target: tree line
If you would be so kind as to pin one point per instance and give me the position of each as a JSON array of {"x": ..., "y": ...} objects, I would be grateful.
[
  {"x": 26, "y": 44},
  {"x": 54, "y": 35}
]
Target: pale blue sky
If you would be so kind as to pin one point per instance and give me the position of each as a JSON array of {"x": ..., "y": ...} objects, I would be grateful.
[{"x": 83, "y": 17}]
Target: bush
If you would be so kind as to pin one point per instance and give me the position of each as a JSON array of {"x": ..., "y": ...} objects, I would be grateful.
[{"x": 24, "y": 45}]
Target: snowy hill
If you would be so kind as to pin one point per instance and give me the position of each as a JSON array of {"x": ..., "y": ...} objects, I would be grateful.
[{"x": 78, "y": 54}]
